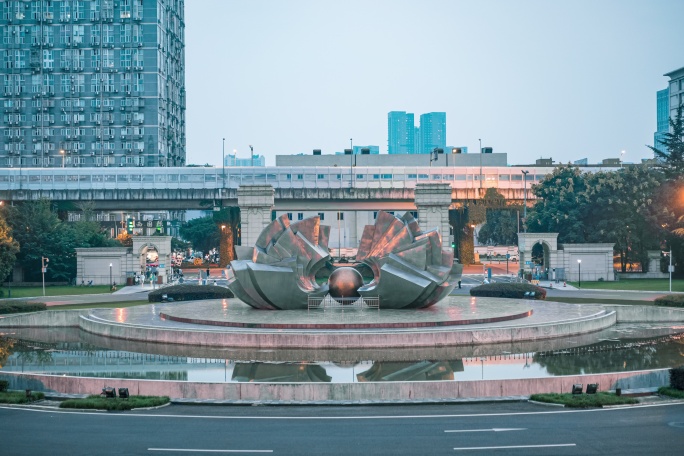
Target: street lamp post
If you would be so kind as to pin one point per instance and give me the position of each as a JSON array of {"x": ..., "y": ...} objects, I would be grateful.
[
  {"x": 111, "y": 284},
  {"x": 480, "y": 176},
  {"x": 579, "y": 273},
  {"x": 43, "y": 267},
  {"x": 251, "y": 152},
  {"x": 670, "y": 269},
  {"x": 622, "y": 157},
  {"x": 525, "y": 172},
  {"x": 351, "y": 163},
  {"x": 223, "y": 161},
  {"x": 61, "y": 151}
]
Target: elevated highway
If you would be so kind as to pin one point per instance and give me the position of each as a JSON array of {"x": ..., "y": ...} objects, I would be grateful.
[{"x": 296, "y": 188}]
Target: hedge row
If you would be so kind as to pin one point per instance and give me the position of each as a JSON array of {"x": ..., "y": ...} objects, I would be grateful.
[
  {"x": 677, "y": 378},
  {"x": 190, "y": 293},
  {"x": 508, "y": 290},
  {"x": 8, "y": 307},
  {"x": 670, "y": 301}
]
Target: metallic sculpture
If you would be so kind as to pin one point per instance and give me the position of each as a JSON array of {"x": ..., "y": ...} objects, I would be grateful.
[{"x": 410, "y": 269}]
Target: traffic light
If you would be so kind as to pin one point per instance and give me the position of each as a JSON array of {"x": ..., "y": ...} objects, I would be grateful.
[{"x": 129, "y": 225}]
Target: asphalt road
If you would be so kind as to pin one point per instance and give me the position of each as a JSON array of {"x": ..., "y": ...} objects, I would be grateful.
[{"x": 495, "y": 428}]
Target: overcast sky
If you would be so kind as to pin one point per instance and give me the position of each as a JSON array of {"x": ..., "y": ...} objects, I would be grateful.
[{"x": 560, "y": 79}]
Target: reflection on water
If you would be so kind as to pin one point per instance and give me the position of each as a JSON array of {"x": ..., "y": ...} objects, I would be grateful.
[
  {"x": 410, "y": 372},
  {"x": 279, "y": 373},
  {"x": 71, "y": 352}
]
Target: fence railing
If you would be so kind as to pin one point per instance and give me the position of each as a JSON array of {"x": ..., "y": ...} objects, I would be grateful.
[{"x": 330, "y": 303}]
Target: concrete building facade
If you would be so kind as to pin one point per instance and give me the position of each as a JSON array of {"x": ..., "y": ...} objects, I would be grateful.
[{"x": 89, "y": 83}]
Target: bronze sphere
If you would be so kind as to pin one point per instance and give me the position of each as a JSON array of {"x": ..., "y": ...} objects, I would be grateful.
[{"x": 345, "y": 282}]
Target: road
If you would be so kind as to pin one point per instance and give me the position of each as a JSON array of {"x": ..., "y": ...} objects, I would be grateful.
[{"x": 495, "y": 428}]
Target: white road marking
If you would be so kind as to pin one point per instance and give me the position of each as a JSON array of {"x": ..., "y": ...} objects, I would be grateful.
[
  {"x": 195, "y": 450},
  {"x": 489, "y": 430},
  {"x": 336, "y": 418},
  {"x": 512, "y": 447}
]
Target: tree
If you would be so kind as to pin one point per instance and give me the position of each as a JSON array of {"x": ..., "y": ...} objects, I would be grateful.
[
  {"x": 561, "y": 200},
  {"x": 672, "y": 158},
  {"x": 40, "y": 233},
  {"x": 615, "y": 207},
  {"x": 202, "y": 233},
  {"x": 227, "y": 221},
  {"x": 125, "y": 239},
  {"x": 620, "y": 209},
  {"x": 501, "y": 228},
  {"x": 8, "y": 246}
]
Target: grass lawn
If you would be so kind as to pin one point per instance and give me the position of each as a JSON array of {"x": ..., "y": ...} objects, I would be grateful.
[
  {"x": 599, "y": 301},
  {"x": 30, "y": 292},
  {"x": 636, "y": 285},
  {"x": 100, "y": 305},
  {"x": 19, "y": 397},
  {"x": 667, "y": 391}
]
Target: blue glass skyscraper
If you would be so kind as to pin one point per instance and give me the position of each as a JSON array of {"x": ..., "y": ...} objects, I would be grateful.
[
  {"x": 400, "y": 133},
  {"x": 662, "y": 118},
  {"x": 432, "y": 131}
]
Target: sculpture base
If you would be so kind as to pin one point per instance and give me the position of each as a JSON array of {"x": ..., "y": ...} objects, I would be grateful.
[{"x": 449, "y": 312}]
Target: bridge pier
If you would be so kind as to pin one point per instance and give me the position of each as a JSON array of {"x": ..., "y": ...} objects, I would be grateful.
[
  {"x": 256, "y": 203},
  {"x": 433, "y": 201}
]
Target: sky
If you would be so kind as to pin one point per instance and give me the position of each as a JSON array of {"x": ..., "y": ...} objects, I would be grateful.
[{"x": 534, "y": 79}]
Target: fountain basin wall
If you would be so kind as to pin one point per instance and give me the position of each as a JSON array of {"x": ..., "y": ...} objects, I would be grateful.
[
  {"x": 341, "y": 339},
  {"x": 376, "y": 391}
]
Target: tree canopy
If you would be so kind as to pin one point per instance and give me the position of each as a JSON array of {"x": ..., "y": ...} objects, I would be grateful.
[
  {"x": 202, "y": 233},
  {"x": 8, "y": 246},
  {"x": 671, "y": 152},
  {"x": 618, "y": 207},
  {"x": 41, "y": 234}
]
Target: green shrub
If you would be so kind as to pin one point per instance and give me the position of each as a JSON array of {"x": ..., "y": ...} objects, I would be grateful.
[
  {"x": 677, "y": 378},
  {"x": 115, "y": 403},
  {"x": 670, "y": 301},
  {"x": 583, "y": 400},
  {"x": 19, "y": 397},
  {"x": 671, "y": 392},
  {"x": 190, "y": 293},
  {"x": 508, "y": 290},
  {"x": 3, "y": 385},
  {"x": 8, "y": 307}
]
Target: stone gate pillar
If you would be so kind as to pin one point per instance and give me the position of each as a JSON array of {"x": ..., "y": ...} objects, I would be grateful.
[
  {"x": 256, "y": 205},
  {"x": 433, "y": 201}
]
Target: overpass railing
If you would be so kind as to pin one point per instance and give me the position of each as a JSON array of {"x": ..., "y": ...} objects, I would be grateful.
[{"x": 390, "y": 177}]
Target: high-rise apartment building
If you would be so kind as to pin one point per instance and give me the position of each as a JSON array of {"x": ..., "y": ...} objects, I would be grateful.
[
  {"x": 432, "y": 132},
  {"x": 92, "y": 83},
  {"x": 662, "y": 118},
  {"x": 400, "y": 133}
]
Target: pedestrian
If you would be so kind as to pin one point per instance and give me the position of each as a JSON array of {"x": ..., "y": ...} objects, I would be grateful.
[{"x": 207, "y": 273}]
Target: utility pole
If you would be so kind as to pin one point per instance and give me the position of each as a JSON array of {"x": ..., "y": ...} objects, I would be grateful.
[
  {"x": 525, "y": 172},
  {"x": 480, "y": 176}
]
